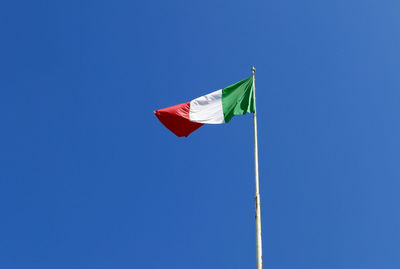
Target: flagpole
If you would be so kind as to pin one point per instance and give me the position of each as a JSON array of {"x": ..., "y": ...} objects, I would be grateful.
[{"x": 257, "y": 185}]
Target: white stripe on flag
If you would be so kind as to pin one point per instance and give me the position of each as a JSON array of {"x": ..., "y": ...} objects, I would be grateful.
[{"x": 207, "y": 109}]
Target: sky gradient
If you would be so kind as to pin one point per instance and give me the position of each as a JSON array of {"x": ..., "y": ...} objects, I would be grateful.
[{"x": 89, "y": 178}]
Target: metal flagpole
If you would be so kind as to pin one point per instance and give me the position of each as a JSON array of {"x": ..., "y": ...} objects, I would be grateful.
[{"x": 257, "y": 185}]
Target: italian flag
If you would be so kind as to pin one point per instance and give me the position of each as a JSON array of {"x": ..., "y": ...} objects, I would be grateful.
[{"x": 214, "y": 108}]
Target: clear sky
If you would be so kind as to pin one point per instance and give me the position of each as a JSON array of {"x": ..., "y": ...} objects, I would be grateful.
[{"x": 89, "y": 178}]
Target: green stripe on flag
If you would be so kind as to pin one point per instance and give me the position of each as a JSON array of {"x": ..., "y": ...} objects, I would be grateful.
[{"x": 238, "y": 99}]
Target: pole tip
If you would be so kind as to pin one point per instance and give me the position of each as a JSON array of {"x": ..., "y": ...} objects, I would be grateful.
[{"x": 253, "y": 69}]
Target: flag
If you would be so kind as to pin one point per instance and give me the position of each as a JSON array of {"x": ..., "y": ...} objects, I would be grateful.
[{"x": 214, "y": 108}]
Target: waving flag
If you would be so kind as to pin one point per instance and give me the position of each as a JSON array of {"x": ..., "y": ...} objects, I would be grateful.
[{"x": 214, "y": 108}]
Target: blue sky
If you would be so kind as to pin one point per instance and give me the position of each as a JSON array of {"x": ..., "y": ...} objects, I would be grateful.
[{"x": 90, "y": 179}]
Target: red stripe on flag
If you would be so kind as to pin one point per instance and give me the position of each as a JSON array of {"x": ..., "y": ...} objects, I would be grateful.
[{"x": 176, "y": 119}]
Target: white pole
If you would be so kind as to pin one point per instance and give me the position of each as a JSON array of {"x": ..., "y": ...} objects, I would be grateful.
[{"x": 257, "y": 185}]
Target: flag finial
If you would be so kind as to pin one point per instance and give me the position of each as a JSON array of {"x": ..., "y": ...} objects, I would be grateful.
[{"x": 253, "y": 69}]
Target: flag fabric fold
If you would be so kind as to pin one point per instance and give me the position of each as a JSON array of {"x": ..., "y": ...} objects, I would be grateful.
[{"x": 214, "y": 108}]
